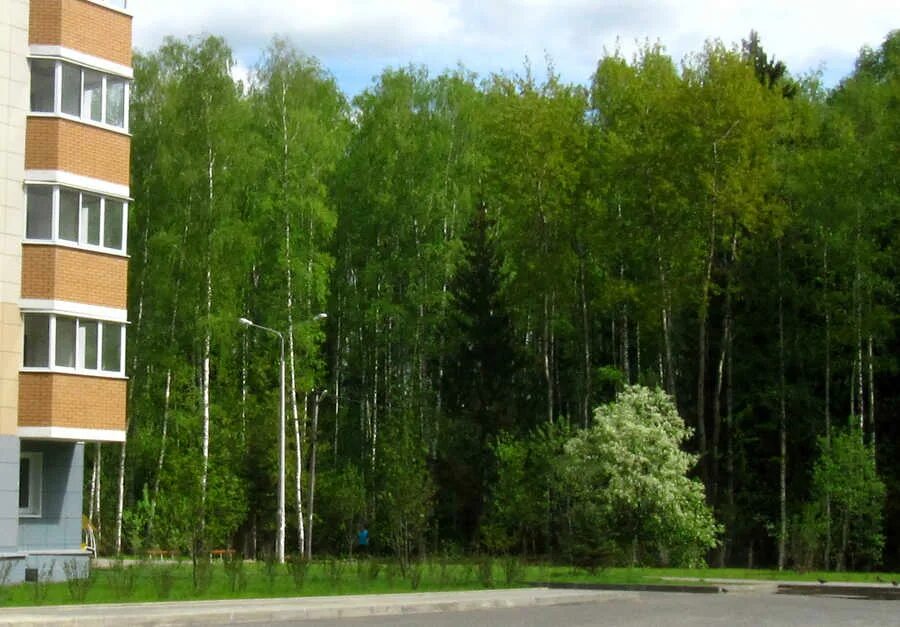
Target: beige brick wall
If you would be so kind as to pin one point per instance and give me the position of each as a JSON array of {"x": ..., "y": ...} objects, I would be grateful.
[
  {"x": 10, "y": 360},
  {"x": 56, "y": 144},
  {"x": 13, "y": 109},
  {"x": 62, "y": 400},
  {"x": 84, "y": 26},
  {"x": 80, "y": 276}
]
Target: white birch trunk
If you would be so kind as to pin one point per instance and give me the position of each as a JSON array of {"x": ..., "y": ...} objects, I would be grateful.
[
  {"x": 207, "y": 340},
  {"x": 120, "y": 505},
  {"x": 314, "y": 431},
  {"x": 93, "y": 492},
  {"x": 546, "y": 360},
  {"x": 121, "y": 495},
  {"x": 99, "y": 527},
  {"x": 292, "y": 390},
  {"x": 871, "y": 364},
  {"x": 586, "y": 352}
]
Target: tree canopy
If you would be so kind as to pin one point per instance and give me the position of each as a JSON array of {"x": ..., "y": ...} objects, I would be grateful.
[{"x": 498, "y": 257}]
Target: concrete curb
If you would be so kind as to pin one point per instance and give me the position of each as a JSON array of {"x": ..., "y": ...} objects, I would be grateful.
[
  {"x": 876, "y": 592},
  {"x": 297, "y": 609},
  {"x": 633, "y": 587},
  {"x": 864, "y": 590}
]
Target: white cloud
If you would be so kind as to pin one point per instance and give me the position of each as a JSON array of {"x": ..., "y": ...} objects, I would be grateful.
[{"x": 356, "y": 39}]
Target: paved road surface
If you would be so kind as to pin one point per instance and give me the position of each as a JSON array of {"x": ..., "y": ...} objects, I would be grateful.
[
  {"x": 668, "y": 610},
  {"x": 745, "y": 604}
]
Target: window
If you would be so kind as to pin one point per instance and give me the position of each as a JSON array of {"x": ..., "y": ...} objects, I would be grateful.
[
  {"x": 74, "y": 91},
  {"x": 43, "y": 83},
  {"x": 113, "y": 219},
  {"x": 37, "y": 341},
  {"x": 30, "y": 473},
  {"x": 39, "y": 214},
  {"x": 61, "y": 214},
  {"x": 71, "y": 90},
  {"x": 76, "y": 344},
  {"x": 92, "y": 92},
  {"x": 115, "y": 101},
  {"x": 65, "y": 342}
]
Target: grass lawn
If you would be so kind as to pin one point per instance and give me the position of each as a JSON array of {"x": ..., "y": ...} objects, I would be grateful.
[{"x": 141, "y": 581}]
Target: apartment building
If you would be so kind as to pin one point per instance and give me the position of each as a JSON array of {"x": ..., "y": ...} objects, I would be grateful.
[{"x": 65, "y": 73}]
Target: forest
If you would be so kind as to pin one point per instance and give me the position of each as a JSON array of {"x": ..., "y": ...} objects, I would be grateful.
[{"x": 508, "y": 264}]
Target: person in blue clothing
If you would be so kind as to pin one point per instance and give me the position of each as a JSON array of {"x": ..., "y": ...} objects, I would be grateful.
[{"x": 362, "y": 540}]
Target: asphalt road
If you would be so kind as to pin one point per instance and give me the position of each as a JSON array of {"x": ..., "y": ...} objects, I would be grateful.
[{"x": 667, "y": 610}]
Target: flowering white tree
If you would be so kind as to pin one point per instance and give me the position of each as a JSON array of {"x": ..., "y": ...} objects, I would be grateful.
[{"x": 627, "y": 476}]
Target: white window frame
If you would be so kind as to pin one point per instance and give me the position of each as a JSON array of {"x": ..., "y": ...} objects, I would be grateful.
[
  {"x": 82, "y": 242},
  {"x": 85, "y": 115},
  {"x": 35, "y": 484},
  {"x": 79, "y": 367}
]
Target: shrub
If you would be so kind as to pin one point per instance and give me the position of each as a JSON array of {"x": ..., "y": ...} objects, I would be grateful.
[
  {"x": 79, "y": 579},
  {"x": 162, "y": 576},
  {"x": 486, "y": 571},
  {"x": 121, "y": 578},
  {"x": 297, "y": 566},
  {"x": 234, "y": 570}
]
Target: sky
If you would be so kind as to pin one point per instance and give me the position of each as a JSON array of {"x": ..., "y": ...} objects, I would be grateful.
[{"x": 356, "y": 39}]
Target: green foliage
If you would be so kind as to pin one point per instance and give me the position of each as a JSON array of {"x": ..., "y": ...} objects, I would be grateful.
[
  {"x": 845, "y": 475},
  {"x": 415, "y": 571},
  {"x": 136, "y": 521},
  {"x": 521, "y": 498},
  {"x": 234, "y": 570},
  {"x": 121, "y": 576},
  {"x": 513, "y": 569},
  {"x": 163, "y": 577},
  {"x": 343, "y": 509},
  {"x": 80, "y": 579},
  {"x": 406, "y": 497},
  {"x": 201, "y": 572},
  {"x": 40, "y": 586},
  {"x": 270, "y": 568},
  {"x": 297, "y": 566},
  {"x": 495, "y": 255},
  {"x": 627, "y": 476},
  {"x": 484, "y": 566},
  {"x": 334, "y": 570},
  {"x": 5, "y": 570}
]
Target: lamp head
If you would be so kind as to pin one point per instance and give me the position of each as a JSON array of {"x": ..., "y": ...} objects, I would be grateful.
[
  {"x": 320, "y": 316},
  {"x": 245, "y": 322}
]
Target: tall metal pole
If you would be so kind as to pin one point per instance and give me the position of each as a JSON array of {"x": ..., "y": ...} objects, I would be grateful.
[{"x": 279, "y": 538}]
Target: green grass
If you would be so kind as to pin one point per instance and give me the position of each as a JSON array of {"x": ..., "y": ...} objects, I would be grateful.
[
  {"x": 131, "y": 582},
  {"x": 141, "y": 582}
]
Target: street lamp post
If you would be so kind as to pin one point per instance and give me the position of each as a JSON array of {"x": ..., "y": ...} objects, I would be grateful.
[{"x": 279, "y": 539}]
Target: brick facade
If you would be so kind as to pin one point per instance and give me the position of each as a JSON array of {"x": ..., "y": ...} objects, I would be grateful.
[
  {"x": 84, "y": 26},
  {"x": 50, "y": 399},
  {"x": 57, "y": 144},
  {"x": 80, "y": 276},
  {"x": 64, "y": 273}
]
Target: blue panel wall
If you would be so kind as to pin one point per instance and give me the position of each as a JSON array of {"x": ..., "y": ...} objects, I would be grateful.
[
  {"x": 59, "y": 526},
  {"x": 9, "y": 492}
]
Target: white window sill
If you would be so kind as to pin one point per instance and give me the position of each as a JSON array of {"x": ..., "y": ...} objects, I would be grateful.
[
  {"x": 75, "y": 372},
  {"x": 62, "y": 243}
]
